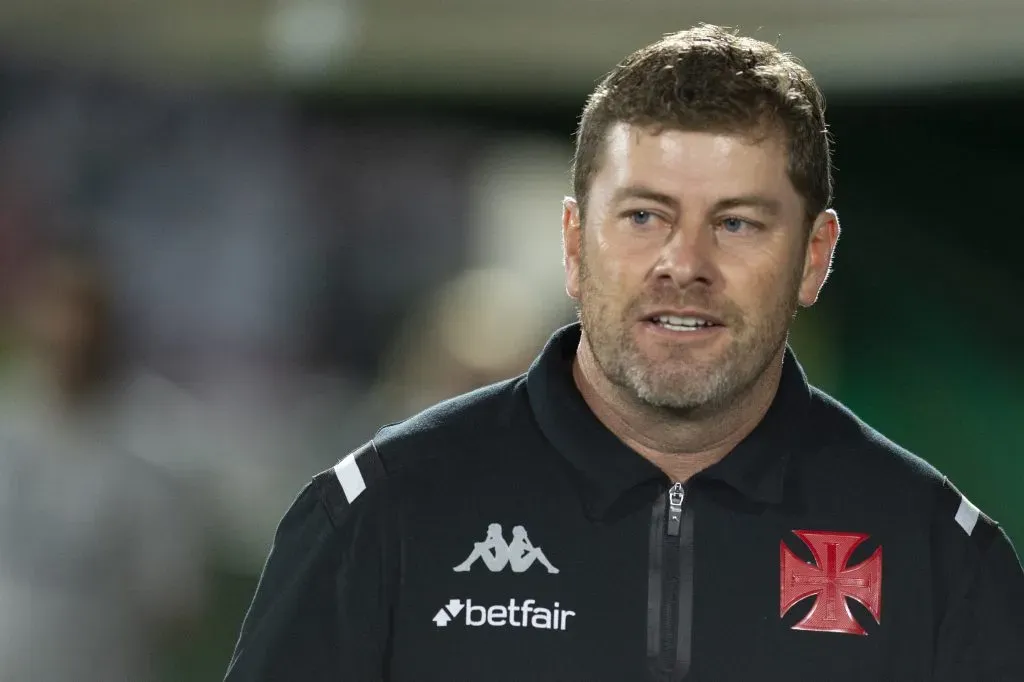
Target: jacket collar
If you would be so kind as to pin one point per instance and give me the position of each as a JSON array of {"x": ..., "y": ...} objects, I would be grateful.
[{"x": 608, "y": 469}]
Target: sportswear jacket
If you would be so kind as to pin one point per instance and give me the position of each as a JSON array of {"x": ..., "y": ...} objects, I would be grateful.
[{"x": 506, "y": 535}]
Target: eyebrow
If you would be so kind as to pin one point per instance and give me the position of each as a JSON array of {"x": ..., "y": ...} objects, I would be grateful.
[
  {"x": 756, "y": 201},
  {"x": 638, "y": 192},
  {"x": 769, "y": 206}
]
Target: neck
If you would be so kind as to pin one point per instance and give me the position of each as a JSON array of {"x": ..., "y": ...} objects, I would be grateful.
[{"x": 681, "y": 446}]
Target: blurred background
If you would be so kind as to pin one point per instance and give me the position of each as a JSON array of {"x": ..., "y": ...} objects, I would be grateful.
[{"x": 237, "y": 237}]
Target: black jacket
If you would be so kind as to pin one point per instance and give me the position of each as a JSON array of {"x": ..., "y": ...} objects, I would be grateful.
[{"x": 506, "y": 535}]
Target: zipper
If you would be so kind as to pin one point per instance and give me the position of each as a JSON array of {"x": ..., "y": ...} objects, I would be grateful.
[
  {"x": 676, "y": 497},
  {"x": 670, "y": 586}
]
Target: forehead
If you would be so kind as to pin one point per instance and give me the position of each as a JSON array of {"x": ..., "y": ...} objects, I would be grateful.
[{"x": 692, "y": 164}]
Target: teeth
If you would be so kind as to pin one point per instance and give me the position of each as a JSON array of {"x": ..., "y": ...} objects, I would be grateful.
[{"x": 675, "y": 322}]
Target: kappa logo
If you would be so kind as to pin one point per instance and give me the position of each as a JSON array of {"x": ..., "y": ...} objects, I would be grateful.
[
  {"x": 830, "y": 580},
  {"x": 496, "y": 553},
  {"x": 516, "y": 615}
]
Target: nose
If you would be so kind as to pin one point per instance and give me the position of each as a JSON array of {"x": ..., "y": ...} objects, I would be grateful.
[{"x": 688, "y": 257}]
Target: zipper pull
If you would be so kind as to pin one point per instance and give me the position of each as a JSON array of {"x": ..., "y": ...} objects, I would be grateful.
[{"x": 676, "y": 495}]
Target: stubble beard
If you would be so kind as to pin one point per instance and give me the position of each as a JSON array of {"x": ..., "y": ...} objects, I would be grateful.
[{"x": 681, "y": 384}]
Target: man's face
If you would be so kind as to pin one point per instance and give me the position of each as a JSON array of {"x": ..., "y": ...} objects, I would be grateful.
[{"x": 691, "y": 264}]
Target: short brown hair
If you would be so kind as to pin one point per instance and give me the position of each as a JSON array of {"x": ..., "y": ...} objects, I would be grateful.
[{"x": 710, "y": 79}]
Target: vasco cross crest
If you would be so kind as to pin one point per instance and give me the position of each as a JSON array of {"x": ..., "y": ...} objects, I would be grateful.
[{"x": 830, "y": 580}]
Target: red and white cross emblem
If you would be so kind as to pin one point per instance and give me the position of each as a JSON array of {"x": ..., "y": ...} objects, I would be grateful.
[{"x": 830, "y": 581}]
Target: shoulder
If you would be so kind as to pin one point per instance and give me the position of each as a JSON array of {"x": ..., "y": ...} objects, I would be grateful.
[
  {"x": 454, "y": 428},
  {"x": 436, "y": 438},
  {"x": 845, "y": 447},
  {"x": 840, "y": 439}
]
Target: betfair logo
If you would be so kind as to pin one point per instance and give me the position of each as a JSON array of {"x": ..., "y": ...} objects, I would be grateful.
[{"x": 525, "y": 615}]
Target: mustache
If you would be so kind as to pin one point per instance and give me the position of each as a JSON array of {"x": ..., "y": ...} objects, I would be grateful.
[{"x": 723, "y": 309}]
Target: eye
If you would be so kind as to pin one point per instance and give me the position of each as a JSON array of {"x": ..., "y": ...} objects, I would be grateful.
[
  {"x": 641, "y": 218},
  {"x": 736, "y": 225}
]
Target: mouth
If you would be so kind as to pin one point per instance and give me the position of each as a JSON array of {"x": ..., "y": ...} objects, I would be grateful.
[{"x": 685, "y": 322}]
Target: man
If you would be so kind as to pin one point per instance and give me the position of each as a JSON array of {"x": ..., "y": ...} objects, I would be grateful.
[{"x": 711, "y": 516}]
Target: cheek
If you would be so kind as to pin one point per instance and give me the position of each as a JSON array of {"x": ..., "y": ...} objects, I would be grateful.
[
  {"x": 765, "y": 288},
  {"x": 620, "y": 260},
  {"x": 609, "y": 275}
]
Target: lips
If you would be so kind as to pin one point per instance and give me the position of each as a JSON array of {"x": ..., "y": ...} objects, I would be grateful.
[
  {"x": 684, "y": 320},
  {"x": 687, "y": 323}
]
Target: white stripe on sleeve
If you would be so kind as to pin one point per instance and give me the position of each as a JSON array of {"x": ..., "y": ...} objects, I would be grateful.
[
  {"x": 350, "y": 477},
  {"x": 967, "y": 515}
]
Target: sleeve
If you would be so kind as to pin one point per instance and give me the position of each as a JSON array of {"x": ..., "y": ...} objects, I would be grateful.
[
  {"x": 981, "y": 632},
  {"x": 321, "y": 611}
]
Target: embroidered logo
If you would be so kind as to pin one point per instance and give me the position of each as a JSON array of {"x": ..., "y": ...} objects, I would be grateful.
[
  {"x": 496, "y": 553},
  {"x": 830, "y": 580}
]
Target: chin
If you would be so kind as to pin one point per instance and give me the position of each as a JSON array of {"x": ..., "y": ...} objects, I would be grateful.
[
  {"x": 683, "y": 389},
  {"x": 677, "y": 402}
]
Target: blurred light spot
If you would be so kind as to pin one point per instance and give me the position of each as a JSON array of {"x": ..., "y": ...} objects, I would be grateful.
[
  {"x": 516, "y": 205},
  {"x": 489, "y": 317},
  {"x": 307, "y": 37}
]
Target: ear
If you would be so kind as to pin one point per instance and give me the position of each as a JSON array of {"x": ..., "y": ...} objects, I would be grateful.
[
  {"x": 572, "y": 246},
  {"x": 821, "y": 246}
]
